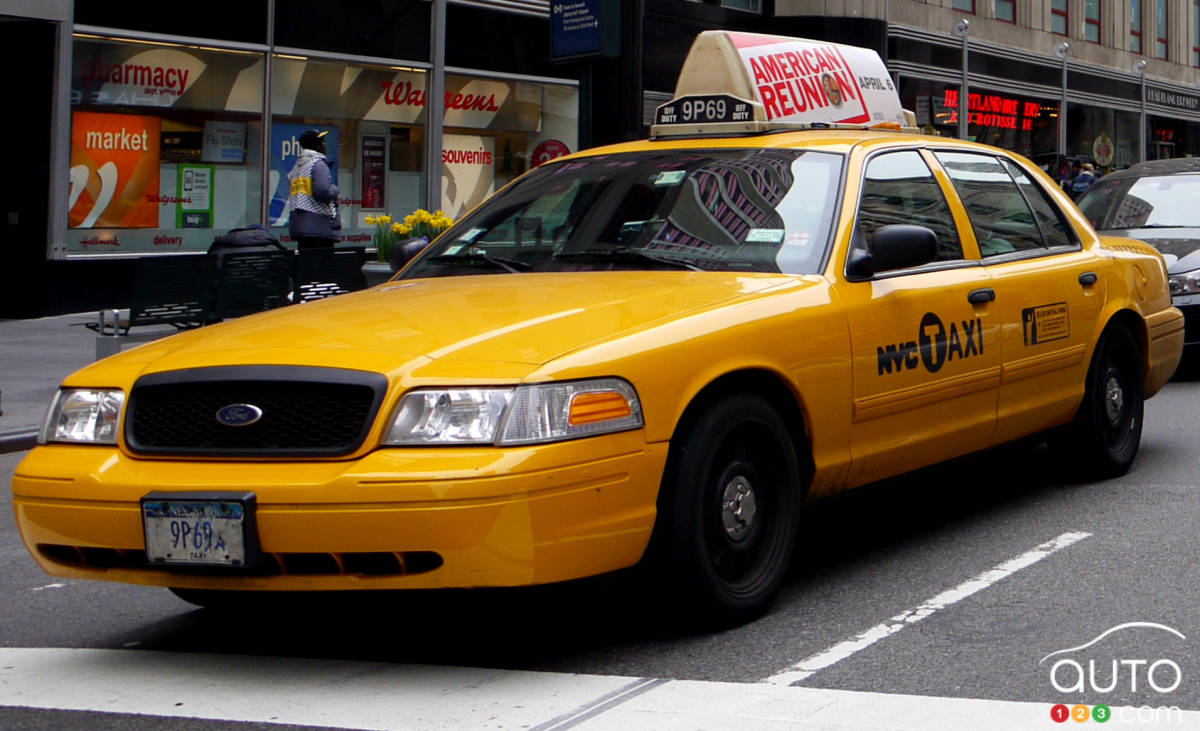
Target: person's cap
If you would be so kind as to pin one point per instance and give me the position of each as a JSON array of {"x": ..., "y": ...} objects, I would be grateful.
[{"x": 311, "y": 139}]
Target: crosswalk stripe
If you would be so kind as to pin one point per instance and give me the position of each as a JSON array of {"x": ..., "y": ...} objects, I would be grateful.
[{"x": 373, "y": 695}]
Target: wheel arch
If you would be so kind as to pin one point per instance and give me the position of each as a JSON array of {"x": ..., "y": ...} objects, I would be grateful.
[
  {"x": 772, "y": 388},
  {"x": 1133, "y": 322}
]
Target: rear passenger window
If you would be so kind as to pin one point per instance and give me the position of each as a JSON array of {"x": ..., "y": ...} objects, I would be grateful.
[
  {"x": 900, "y": 188},
  {"x": 1000, "y": 215},
  {"x": 1048, "y": 215}
]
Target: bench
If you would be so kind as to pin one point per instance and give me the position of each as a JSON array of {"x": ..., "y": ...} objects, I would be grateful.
[{"x": 188, "y": 291}]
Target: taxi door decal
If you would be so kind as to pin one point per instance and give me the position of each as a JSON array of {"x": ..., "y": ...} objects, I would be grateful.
[{"x": 934, "y": 347}]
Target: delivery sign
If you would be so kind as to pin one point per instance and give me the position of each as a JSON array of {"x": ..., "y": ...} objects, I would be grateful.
[
  {"x": 799, "y": 80},
  {"x": 114, "y": 171}
]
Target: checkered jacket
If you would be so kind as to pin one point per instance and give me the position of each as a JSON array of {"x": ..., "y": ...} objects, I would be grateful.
[{"x": 313, "y": 199}]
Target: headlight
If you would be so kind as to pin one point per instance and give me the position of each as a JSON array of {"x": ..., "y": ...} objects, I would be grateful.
[
  {"x": 544, "y": 412},
  {"x": 84, "y": 415},
  {"x": 1185, "y": 282}
]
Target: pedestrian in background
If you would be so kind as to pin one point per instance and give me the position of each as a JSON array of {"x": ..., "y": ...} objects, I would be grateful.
[
  {"x": 1084, "y": 180},
  {"x": 313, "y": 221}
]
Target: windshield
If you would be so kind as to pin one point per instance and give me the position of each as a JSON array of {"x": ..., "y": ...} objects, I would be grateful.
[
  {"x": 1153, "y": 201},
  {"x": 725, "y": 210}
]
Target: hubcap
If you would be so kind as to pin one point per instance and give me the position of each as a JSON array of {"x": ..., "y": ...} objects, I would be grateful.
[
  {"x": 738, "y": 508},
  {"x": 1114, "y": 400}
]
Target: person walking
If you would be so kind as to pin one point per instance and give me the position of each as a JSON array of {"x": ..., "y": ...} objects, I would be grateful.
[
  {"x": 1084, "y": 180},
  {"x": 313, "y": 221}
]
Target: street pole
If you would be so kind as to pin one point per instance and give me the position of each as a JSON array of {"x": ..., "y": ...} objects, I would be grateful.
[
  {"x": 961, "y": 28},
  {"x": 264, "y": 213},
  {"x": 435, "y": 103},
  {"x": 1061, "y": 51},
  {"x": 1141, "y": 68}
]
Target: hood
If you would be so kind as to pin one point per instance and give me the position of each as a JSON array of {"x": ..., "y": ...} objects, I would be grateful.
[
  {"x": 513, "y": 323},
  {"x": 1174, "y": 241}
]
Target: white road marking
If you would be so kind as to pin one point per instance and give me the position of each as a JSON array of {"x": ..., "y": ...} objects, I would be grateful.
[
  {"x": 808, "y": 667},
  {"x": 48, "y": 586},
  {"x": 371, "y": 695}
]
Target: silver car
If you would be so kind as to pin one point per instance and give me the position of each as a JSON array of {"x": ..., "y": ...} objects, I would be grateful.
[{"x": 1158, "y": 202}]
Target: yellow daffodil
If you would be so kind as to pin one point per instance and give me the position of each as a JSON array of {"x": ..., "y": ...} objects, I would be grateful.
[{"x": 370, "y": 220}]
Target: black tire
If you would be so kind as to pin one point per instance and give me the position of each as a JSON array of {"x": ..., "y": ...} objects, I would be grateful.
[
  {"x": 728, "y": 511},
  {"x": 1107, "y": 429}
]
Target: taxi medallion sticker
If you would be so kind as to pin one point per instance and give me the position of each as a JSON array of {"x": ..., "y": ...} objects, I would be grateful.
[{"x": 1045, "y": 323}]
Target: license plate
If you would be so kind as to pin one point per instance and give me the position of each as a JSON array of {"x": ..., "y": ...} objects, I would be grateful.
[{"x": 195, "y": 532}]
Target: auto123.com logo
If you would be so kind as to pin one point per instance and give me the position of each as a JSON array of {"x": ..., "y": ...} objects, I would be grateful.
[{"x": 1083, "y": 670}]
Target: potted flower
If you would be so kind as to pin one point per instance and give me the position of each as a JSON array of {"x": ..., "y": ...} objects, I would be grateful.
[
  {"x": 385, "y": 234},
  {"x": 419, "y": 228},
  {"x": 423, "y": 224}
]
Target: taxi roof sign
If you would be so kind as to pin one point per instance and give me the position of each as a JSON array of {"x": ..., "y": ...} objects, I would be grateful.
[{"x": 748, "y": 82}]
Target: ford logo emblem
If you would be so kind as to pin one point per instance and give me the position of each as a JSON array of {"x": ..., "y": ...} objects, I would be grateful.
[{"x": 239, "y": 414}]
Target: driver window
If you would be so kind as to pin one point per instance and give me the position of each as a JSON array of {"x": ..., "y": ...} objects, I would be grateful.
[{"x": 900, "y": 188}]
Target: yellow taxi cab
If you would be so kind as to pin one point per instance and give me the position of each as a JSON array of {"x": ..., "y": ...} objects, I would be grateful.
[{"x": 649, "y": 353}]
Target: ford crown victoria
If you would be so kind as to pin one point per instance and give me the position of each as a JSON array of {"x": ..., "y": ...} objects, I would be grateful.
[{"x": 648, "y": 354}]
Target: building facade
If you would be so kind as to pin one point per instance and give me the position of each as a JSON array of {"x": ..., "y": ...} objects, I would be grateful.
[{"x": 152, "y": 133}]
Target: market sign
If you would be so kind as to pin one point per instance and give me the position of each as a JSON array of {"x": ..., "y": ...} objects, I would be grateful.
[{"x": 114, "y": 171}]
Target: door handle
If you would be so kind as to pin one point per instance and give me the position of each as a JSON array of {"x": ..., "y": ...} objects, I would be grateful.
[
  {"x": 979, "y": 296},
  {"x": 1087, "y": 279}
]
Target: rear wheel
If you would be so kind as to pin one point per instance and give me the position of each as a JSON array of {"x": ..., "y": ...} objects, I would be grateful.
[
  {"x": 728, "y": 511},
  {"x": 1107, "y": 429}
]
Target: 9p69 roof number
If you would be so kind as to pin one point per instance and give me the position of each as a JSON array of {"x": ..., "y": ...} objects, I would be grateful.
[{"x": 704, "y": 109}]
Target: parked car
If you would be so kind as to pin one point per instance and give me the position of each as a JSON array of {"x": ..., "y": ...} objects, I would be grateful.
[
  {"x": 1158, "y": 202},
  {"x": 649, "y": 353}
]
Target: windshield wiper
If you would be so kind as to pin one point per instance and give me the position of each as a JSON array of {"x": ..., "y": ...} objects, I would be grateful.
[
  {"x": 626, "y": 254},
  {"x": 474, "y": 258}
]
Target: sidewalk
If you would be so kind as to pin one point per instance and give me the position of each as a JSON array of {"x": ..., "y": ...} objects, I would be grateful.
[{"x": 35, "y": 356}]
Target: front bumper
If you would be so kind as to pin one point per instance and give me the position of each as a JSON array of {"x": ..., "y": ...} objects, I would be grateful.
[
  {"x": 448, "y": 517},
  {"x": 1190, "y": 307}
]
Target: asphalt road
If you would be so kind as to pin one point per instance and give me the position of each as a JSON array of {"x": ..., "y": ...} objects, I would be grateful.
[{"x": 865, "y": 560}]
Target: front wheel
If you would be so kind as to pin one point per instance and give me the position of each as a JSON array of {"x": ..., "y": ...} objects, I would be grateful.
[
  {"x": 728, "y": 511},
  {"x": 1107, "y": 429}
]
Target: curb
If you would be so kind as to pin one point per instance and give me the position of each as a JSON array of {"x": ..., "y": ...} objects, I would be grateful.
[{"x": 17, "y": 441}]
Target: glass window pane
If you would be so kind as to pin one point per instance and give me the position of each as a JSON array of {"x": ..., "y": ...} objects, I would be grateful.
[
  {"x": 1135, "y": 15},
  {"x": 496, "y": 129},
  {"x": 1000, "y": 216},
  {"x": 164, "y": 146},
  {"x": 721, "y": 210},
  {"x": 1059, "y": 5},
  {"x": 1004, "y": 10},
  {"x": 1091, "y": 32},
  {"x": 900, "y": 188},
  {"x": 1058, "y": 24},
  {"x": 1047, "y": 214},
  {"x": 967, "y": 5},
  {"x": 1091, "y": 10}
]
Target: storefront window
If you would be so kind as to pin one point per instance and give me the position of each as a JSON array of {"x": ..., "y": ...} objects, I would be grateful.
[
  {"x": 1026, "y": 125},
  {"x": 164, "y": 142},
  {"x": 494, "y": 130},
  {"x": 1108, "y": 138}
]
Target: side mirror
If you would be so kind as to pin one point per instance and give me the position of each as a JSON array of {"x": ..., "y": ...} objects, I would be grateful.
[
  {"x": 402, "y": 252},
  {"x": 898, "y": 246}
]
